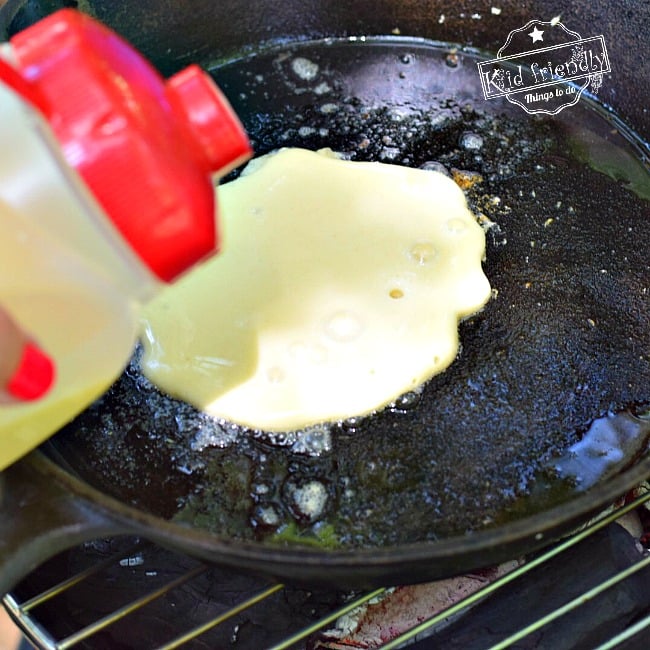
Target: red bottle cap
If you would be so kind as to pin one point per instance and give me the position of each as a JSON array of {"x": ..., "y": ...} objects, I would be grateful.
[{"x": 146, "y": 148}]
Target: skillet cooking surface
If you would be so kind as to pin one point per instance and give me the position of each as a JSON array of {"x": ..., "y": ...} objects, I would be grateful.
[{"x": 564, "y": 340}]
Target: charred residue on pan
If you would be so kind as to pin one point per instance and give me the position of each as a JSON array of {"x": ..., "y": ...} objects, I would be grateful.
[{"x": 563, "y": 342}]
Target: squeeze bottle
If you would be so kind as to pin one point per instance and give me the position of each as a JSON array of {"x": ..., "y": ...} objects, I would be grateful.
[{"x": 106, "y": 193}]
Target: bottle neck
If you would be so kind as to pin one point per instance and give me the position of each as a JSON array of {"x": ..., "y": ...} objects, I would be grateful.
[{"x": 37, "y": 182}]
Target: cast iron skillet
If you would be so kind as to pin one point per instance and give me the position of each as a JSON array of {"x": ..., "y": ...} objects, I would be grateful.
[{"x": 467, "y": 475}]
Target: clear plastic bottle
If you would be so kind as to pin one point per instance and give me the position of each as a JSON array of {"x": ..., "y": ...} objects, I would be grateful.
[{"x": 106, "y": 192}]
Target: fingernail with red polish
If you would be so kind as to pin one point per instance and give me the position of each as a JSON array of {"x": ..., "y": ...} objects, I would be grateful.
[{"x": 34, "y": 375}]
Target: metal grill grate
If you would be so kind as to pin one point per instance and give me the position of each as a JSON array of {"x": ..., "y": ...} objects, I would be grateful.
[{"x": 27, "y": 612}]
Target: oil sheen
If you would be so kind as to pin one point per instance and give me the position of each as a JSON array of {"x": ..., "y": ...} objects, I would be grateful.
[{"x": 340, "y": 287}]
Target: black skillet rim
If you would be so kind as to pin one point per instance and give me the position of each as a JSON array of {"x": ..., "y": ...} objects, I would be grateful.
[{"x": 414, "y": 562}]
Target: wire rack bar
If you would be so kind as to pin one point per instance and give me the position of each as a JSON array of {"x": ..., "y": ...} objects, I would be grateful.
[
  {"x": 73, "y": 580},
  {"x": 202, "y": 629},
  {"x": 327, "y": 620},
  {"x": 127, "y": 609},
  {"x": 626, "y": 635},
  {"x": 515, "y": 574},
  {"x": 572, "y": 604},
  {"x": 22, "y": 612}
]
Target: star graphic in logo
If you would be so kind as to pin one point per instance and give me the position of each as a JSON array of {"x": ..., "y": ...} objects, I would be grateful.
[{"x": 536, "y": 34}]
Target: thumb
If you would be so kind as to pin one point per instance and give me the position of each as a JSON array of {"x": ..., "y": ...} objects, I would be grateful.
[{"x": 26, "y": 372}]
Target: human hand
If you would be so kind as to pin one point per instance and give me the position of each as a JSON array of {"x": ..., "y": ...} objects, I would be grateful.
[{"x": 26, "y": 372}]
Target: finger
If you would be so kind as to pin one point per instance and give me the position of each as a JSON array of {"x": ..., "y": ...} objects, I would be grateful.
[
  {"x": 26, "y": 372},
  {"x": 12, "y": 341},
  {"x": 33, "y": 376}
]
